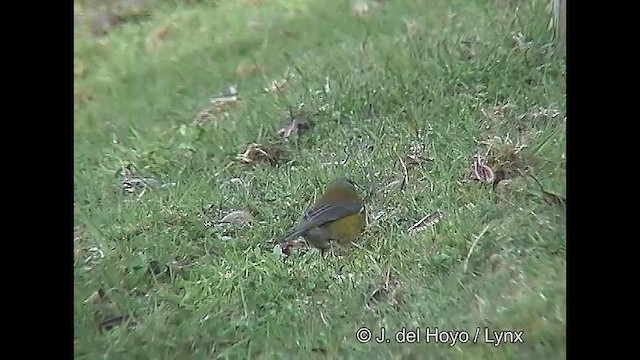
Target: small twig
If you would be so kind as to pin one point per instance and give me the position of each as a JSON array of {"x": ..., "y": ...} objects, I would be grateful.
[
  {"x": 405, "y": 180},
  {"x": 431, "y": 218},
  {"x": 386, "y": 282},
  {"x": 344, "y": 162},
  {"x": 466, "y": 261},
  {"x": 536, "y": 180},
  {"x": 549, "y": 196},
  {"x": 244, "y": 304}
]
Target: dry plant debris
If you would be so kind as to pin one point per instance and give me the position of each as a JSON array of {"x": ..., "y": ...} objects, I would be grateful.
[
  {"x": 237, "y": 218},
  {"x": 416, "y": 155},
  {"x": 277, "y": 87},
  {"x": 426, "y": 221},
  {"x": 288, "y": 248},
  {"x": 133, "y": 184},
  {"x": 481, "y": 171},
  {"x": 219, "y": 106},
  {"x": 389, "y": 291},
  {"x": 520, "y": 42},
  {"x": 257, "y": 154},
  {"x": 295, "y": 124},
  {"x": 360, "y": 8}
]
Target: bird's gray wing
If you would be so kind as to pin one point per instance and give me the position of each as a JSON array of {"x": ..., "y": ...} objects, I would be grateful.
[{"x": 317, "y": 216}]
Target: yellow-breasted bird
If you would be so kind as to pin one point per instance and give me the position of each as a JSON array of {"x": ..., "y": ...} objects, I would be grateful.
[{"x": 338, "y": 215}]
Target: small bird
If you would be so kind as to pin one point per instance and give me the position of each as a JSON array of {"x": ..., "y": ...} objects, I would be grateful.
[{"x": 338, "y": 215}]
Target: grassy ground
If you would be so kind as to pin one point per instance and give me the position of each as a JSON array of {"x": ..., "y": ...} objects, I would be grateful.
[{"x": 421, "y": 85}]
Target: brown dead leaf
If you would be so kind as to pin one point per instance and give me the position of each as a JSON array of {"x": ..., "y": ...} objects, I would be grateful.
[
  {"x": 237, "y": 218},
  {"x": 426, "y": 221},
  {"x": 96, "y": 297},
  {"x": 245, "y": 69},
  {"x": 259, "y": 153}
]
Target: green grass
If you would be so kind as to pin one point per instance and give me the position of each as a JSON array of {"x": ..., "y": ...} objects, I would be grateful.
[{"x": 194, "y": 291}]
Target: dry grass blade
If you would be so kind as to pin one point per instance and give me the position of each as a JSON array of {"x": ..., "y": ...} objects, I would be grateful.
[
  {"x": 428, "y": 220},
  {"x": 398, "y": 184},
  {"x": 277, "y": 87},
  {"x": 466, "y": 260},
  {"x": 405, "y": 179}
]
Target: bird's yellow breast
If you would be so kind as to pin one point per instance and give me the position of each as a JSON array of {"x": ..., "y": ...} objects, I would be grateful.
[{"x": 348, "y": 228}]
